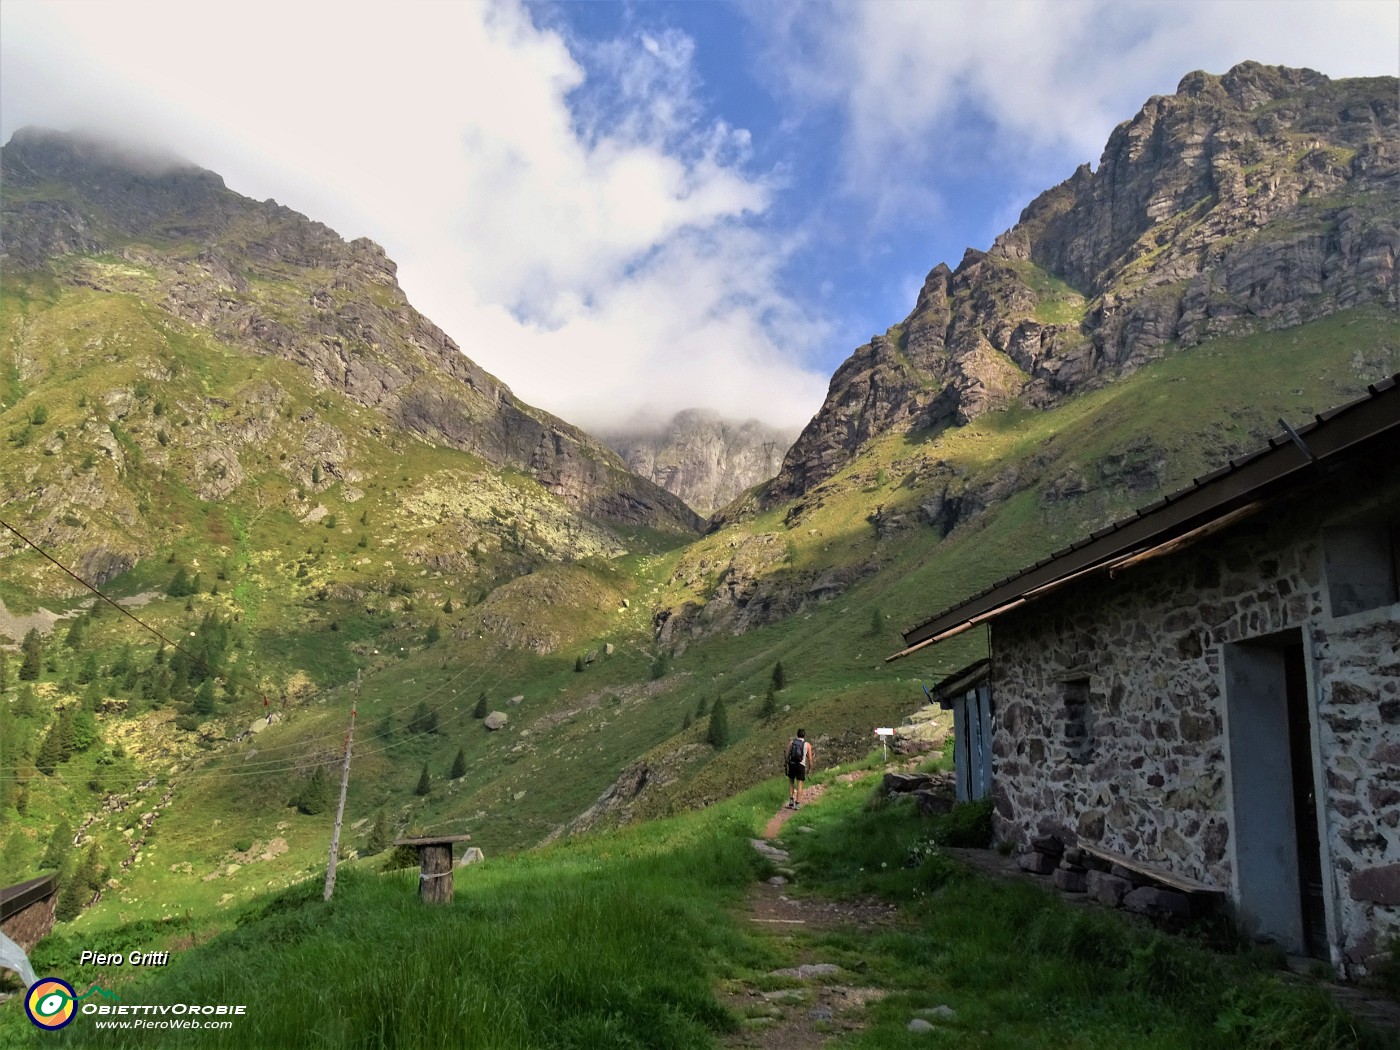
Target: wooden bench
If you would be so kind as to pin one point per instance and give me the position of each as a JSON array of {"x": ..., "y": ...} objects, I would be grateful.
[
  {"x": 435, "y": 866},
  {"x": 1147, "y": 871}
]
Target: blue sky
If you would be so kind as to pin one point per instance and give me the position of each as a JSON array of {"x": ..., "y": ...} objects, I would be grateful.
[{"x": 625, "y": 208}]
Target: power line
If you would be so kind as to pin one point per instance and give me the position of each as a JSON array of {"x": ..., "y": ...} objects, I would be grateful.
[
  {"x": 306, "y": 745},
  {"x": 114, "y": 604}
]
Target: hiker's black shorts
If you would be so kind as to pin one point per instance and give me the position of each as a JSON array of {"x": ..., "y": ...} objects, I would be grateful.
[{"x": 797, "y": 771}]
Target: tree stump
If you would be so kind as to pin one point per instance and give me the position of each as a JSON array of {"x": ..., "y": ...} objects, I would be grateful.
[{"x": 435, "y": 866}]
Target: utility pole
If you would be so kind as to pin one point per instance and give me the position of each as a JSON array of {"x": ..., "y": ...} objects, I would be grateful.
[{"x": 344, "y": 784}]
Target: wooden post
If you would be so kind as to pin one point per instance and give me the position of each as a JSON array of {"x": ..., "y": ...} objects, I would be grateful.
[
  {"x": 344, "y": 784},
  {"x": 435, "y": 878},
  {"x": 435, "y": 866}
]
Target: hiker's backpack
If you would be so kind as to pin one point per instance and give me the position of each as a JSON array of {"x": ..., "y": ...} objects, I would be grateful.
[{"x": 797, "y": 752}]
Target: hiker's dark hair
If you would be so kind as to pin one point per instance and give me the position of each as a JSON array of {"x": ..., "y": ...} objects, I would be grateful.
[{"x": 802, "y": 733}]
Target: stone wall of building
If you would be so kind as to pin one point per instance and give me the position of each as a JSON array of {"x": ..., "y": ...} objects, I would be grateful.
[
  {"x": 1358, "y": 669},
  {"x": 30, "y": 926},
  {"x": 1109, "y": 711}
]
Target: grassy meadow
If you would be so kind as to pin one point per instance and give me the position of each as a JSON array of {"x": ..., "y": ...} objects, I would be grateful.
[{"x": 639, "y": 938}]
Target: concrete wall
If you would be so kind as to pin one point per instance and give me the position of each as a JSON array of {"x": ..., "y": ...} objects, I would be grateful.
[{"x": 1143, "y": 766}]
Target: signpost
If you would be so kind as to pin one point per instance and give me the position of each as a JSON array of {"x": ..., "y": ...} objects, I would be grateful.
[{"x": 884, "y": 734}]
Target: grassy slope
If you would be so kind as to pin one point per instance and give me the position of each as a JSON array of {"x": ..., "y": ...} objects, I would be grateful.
[
  {"x": 574, "y": 732},
  {"x": 621, "y": 939}
]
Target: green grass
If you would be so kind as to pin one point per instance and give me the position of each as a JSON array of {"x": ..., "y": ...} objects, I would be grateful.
[
  {"x": 575, "y": 732},
  {"x": 622, "y": 939},
  {"x": 615, "y": 942},
  {"x": 1021, "y": 968}
]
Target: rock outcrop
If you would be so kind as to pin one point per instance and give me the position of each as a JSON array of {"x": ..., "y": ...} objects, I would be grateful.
[
  {"x": 1256, "y": 200},
  {"x": 703, "y": 458}
]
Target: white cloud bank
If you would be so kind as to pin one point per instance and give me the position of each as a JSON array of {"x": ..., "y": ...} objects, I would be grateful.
[
  {"x": 1024, "y": 87},
  {"x": 572, "y": 213},
  {"x": 591, "y": 237}
]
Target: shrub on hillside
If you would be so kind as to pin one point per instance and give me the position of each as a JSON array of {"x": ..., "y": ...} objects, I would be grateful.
[
  {"x": 967, "y": 826},
  {"x": 315, "y": 794}
]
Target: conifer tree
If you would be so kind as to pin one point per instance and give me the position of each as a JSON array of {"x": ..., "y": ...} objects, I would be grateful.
[
  {"x": 459, "y": 765},
  {"x": 71, "y": 897},
  {"x": 423, "y": 720},
  {"x": 88, "y": 671},
  {"x": 56, "y": 746},
  {"x": 700, "y": 708},
  {"x": 4, "y": 674},
  {"x": 25, "y": 702},
  {"x": 480, "y": 711},
  {"x": 425, "y": 782},
  {"x": 76, "y": 631},
  {"x": 79, "y": 886},
  {"x": 179, "y": 584},
  {"x": 315, "y": 794},
  {"x": 204, "y": 698},
  {"x": 32, "y": 661},
  {"x": 60, "y": 845},
  {"x": 718, "y": 734},
  {"x": 447, "y": 606},
  {"x": 770, "y": 704},
  {"x": 378, "y": 834},
  {"x": 434, "y": 633},
  {"x": 685, "y": 722},
  {"x": 779, "y": 677}
]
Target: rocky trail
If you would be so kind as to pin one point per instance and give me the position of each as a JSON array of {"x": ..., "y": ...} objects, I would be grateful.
[{"x": 827, "y": 1002}]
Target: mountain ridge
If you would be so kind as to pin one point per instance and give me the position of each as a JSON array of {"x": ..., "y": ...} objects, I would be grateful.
[
  {"x": 706, "y": 459},
  {"x": 1253, "y": 200},
  {"x": 236, "y": 268}
]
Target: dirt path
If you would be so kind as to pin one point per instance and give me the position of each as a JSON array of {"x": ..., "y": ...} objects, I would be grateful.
[
  {"x": 810, "y": 797},
  {"x": 825, "y": 1006}
]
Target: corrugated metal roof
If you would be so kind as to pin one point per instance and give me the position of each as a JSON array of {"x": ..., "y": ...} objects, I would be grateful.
[{"x": 1335, "y": 433}]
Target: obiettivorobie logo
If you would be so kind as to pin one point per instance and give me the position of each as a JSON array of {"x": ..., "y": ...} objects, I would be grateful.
[{"x": 51, "y": 1002}]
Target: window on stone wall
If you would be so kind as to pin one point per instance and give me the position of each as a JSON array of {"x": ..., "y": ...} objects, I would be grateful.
[
  {"x": 1361, "y": 559},
  {"x": 1079, "y": 720}
]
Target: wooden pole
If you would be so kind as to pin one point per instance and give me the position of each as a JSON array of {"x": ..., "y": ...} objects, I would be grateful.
[
  {"x": 344, "y": 784},
  {"x": 435, "y": 874}
]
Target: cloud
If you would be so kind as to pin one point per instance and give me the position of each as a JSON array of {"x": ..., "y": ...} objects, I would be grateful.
[
  {"x": 1025, "y": 83},
  {"x": 568, "y": 212}
]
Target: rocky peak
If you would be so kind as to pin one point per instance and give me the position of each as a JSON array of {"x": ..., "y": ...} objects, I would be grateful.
[
  {"x": 702, "y": 457},
  {"x": 1254, "y": 200}
]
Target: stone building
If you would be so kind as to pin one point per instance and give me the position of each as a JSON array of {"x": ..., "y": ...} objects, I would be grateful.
[
  {"x": 26, "y": 910},
  {"x": 1212, "y": 687}
]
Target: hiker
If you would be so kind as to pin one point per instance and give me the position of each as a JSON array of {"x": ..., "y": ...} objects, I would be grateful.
[{"x": 799, "y": 763}]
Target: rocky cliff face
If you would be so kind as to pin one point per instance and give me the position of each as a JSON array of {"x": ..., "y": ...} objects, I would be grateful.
[
  {"x": 262, "y": 277},
  {"x": 1255, "y": 200},
  {"x": 703, "y": 458}
]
